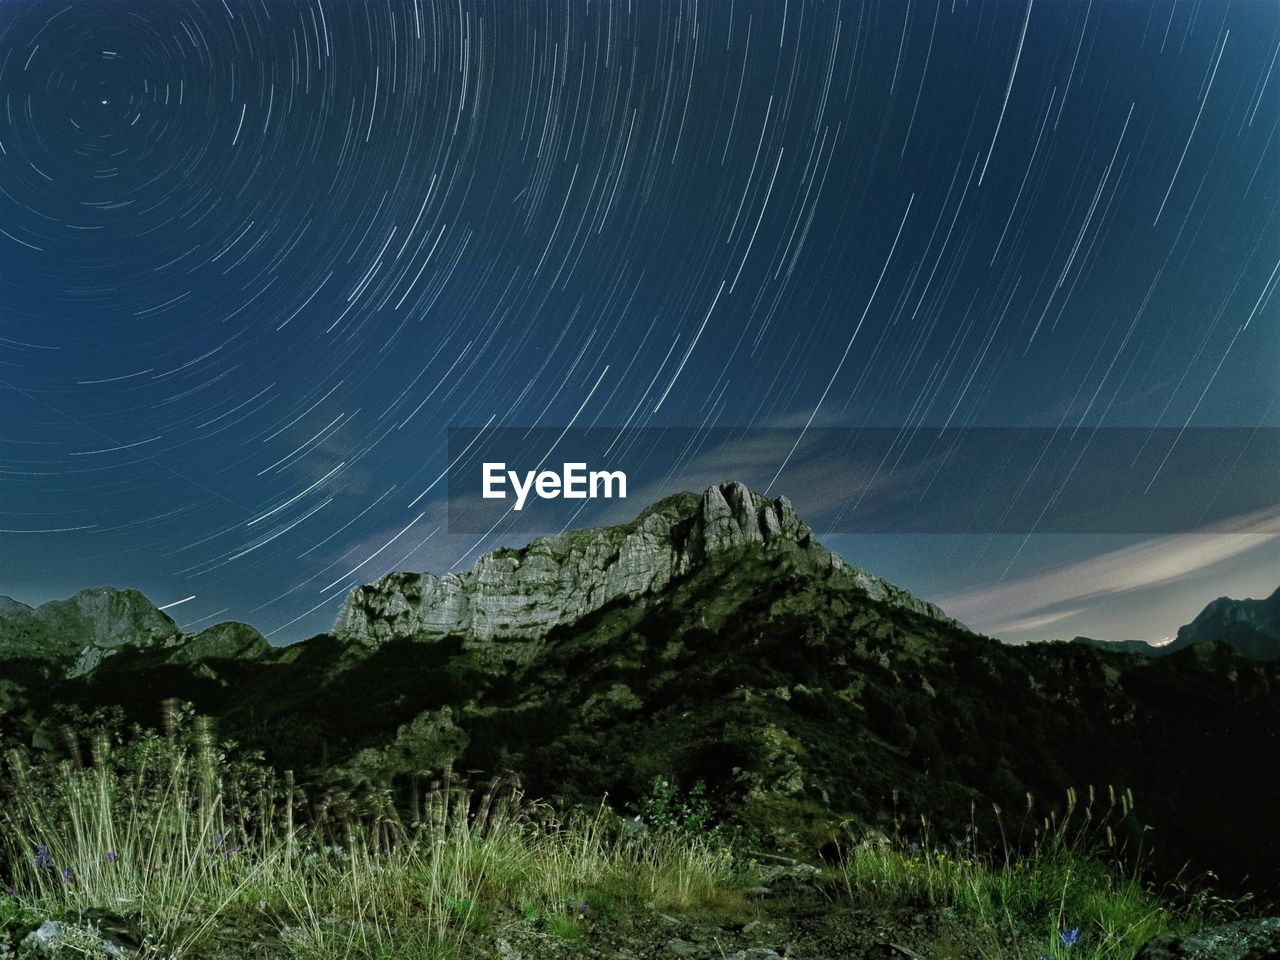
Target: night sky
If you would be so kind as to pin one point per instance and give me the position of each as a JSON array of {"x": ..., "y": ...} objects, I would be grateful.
[{"x": 257, "y": 256}]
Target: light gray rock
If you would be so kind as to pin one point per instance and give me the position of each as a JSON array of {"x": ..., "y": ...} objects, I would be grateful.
[{"x": 520, "y": 595}]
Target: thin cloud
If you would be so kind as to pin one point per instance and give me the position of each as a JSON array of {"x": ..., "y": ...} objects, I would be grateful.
[
  {"x": 1013, "y": 605},
  {"x": 1035, "y": 623}
]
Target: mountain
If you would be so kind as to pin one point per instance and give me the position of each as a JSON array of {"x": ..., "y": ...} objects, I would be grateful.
[
  {"x": 514, "y": 598},
  {"x": 1252, "y": 627},
  {"x": 1123, "y": 646},
  {"x": 712, "y": 638},
  {"x": 81, "y": 630}
]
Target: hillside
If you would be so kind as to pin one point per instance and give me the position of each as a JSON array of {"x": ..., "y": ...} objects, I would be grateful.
[{"x": 710, "y": 639}]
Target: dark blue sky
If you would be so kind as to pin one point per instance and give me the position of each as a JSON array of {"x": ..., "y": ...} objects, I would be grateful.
[{"x": 257, "y": 257}]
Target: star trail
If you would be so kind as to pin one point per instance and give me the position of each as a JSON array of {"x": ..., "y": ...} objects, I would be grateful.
[{"x": 258, "y": 256}]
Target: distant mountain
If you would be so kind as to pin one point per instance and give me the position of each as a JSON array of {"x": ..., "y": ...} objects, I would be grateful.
[
  {"x": 1252, "y": 627},
  {"x": 710, "y": 638},
  {"x": 1123, "y": 646},
  {"x": 81, "y": 630},
  {"x": 77, "y": 634},
  {"x": 8, "y": 604}
]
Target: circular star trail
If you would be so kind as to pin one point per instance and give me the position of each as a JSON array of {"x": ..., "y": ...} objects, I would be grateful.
[{"x": 257, "y": 257}]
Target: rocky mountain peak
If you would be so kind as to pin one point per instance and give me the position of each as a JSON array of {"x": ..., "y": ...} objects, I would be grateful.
[
  {"x": 1251, "y": 626},
  {"x": 521, "y": 595},
  {"x": 730, "y": 515}
]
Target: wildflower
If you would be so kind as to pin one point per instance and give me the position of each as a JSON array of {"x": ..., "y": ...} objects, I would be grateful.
[
  {"x": 582, "y": 908},
  {"x": 112, "y": 856},
  {"x": 1069, "y": 938},
  {"x": 43, "y": 859},
  {"x": 11, "y": 891},
  {"x": 68, "y": 876}
]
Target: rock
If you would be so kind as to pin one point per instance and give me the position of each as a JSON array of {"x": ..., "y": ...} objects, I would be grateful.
[
  {"x": 790, "y": 880},
  {"x": 521, "y": 595},
  {"x": 56, "y": 939},
  {"x": 1243, "y": 940},
  {"x": 795, "y": 873}
]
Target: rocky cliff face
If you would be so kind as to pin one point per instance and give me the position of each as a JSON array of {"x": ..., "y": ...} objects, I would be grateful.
[{"x": 521, "y": 595}]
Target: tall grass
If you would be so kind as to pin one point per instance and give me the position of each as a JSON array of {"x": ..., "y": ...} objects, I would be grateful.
[
  {"x": 179, "y": 843},
  {"x": 189, "y": 848},
  {"x": 166, "y": 832},
  {"x": 1066, "y": 886}
]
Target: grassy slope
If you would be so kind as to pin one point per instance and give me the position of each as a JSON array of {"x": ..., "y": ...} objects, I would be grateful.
[{"x": 171, "y": 844}]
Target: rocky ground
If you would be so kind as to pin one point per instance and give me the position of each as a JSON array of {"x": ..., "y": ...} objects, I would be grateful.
[
  {"x": 809, "y": 922},
  {"x": 796, "y": 928},
  {"x": 802, "y": 928}
]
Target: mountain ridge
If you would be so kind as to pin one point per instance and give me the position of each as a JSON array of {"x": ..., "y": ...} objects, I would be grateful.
[
  {"x": 1251, "y": 626},
  {"x": 711, "y": 638},
  {"x": 93, "y": 624}
]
